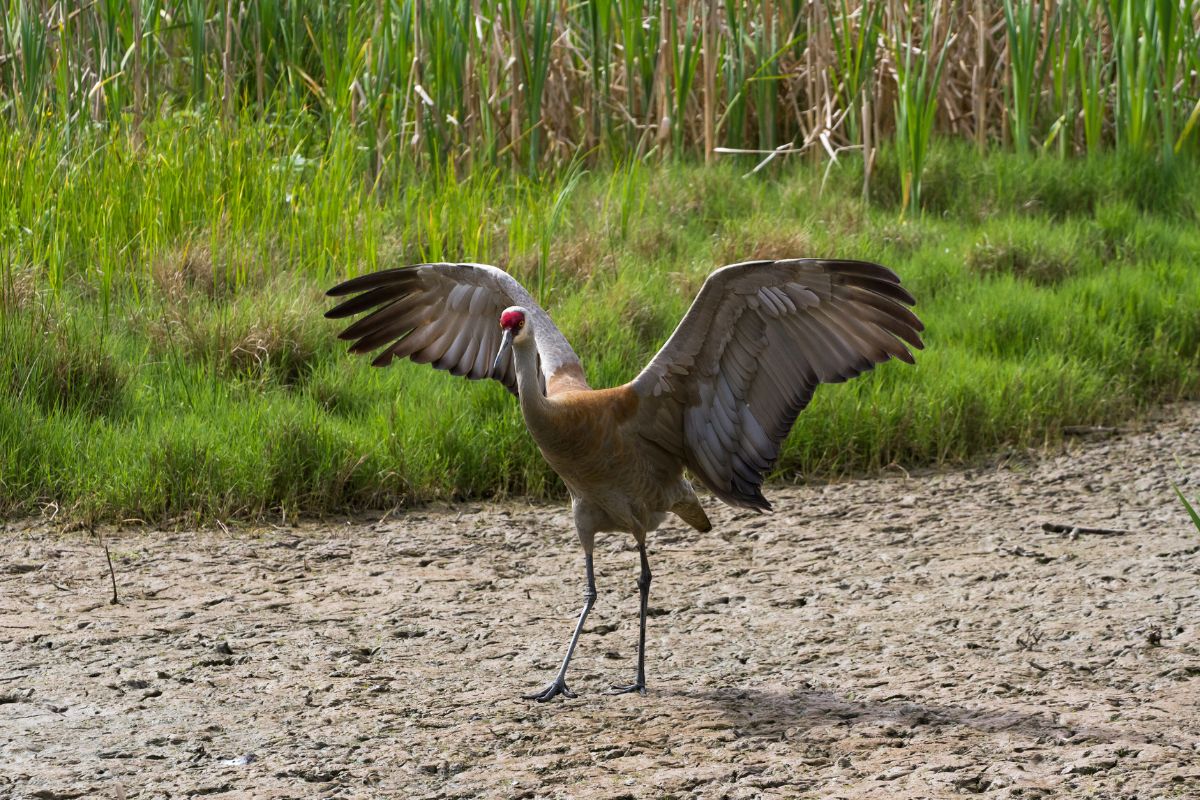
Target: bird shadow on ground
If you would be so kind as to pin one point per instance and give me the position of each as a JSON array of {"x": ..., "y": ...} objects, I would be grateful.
[{"x": 782, "y": 713}]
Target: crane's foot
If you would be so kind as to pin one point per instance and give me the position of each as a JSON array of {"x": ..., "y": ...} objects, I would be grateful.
[
  {"x": 639, "y": 687},
  {"x": 550, "y": 692}
]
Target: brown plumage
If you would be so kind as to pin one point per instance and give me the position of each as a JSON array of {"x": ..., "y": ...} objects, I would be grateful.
[{"x": 718, "y": 399}]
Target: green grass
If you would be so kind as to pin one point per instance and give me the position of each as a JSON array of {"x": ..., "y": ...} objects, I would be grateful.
[
  {"x": 1188, "y": 506},
  {"x": 163, "y": 354}
]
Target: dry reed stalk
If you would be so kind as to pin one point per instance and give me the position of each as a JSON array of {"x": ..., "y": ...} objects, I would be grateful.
[
  {"x": 514, "y": 102},
  {"x": 710, "y": 78},
  {"x": 607, "y": 72},
  {"x": 977, "y": 98},
  {"x": 227, "y": 65},
  {"x": 660, "y": 106},
  {"x": 136, "y": 66}
]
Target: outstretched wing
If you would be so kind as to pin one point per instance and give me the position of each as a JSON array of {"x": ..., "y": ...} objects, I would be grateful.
[
  {"x": 724, "y": 390},
  {"x": 448, "y": 315}
]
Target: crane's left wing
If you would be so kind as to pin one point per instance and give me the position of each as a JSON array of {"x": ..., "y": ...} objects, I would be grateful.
[
  {"x": 448, "y": 315},
  {"x": 723, "y": 392}
]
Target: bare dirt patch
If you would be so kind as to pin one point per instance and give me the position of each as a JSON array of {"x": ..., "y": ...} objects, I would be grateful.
[{"x": 906, "y": 637}]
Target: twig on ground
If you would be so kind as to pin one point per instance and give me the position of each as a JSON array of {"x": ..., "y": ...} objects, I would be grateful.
[
  {"x": 1021, "y": 552},
  {"x": 1088, "y": 430},
  {"x": 1079, "y": 530},
  {"x": 112, "y": 575}
]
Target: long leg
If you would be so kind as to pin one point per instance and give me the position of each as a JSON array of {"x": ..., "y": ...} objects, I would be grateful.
[
  {"x": 559, "y": 684},
  {"x": 639, "y": 684}
]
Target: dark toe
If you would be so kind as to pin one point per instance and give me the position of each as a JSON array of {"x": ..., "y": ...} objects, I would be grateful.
[
  {"x": 550, "y": 692},
  {"x": 617, "y": 688}
]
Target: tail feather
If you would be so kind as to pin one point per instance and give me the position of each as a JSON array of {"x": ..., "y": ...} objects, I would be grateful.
[{"x": 691, "y": 512}]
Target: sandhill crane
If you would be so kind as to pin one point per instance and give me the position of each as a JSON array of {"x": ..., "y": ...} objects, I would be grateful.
[{"x": 718, "y": 399}]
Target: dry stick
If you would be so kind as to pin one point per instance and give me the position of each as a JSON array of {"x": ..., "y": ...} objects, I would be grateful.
[
  {"x": 112, "y": 576},
  {"x": 1077, "y": 530}
]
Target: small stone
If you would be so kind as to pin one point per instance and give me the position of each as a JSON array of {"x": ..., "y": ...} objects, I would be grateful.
[
  {"x": 240, "y": 761},
  {"x": 1089, "y": 766}
]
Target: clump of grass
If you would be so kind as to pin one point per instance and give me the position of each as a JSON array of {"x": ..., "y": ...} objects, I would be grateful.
[
  {"x": 1033, "y": 251},
  {"x": 762, "y": 237},
  {"x": 59, "y": 369},
  {"x": 339, "y": 392},
  {"x": 273, "y": 333},
  {"x": 18, "y": 290},
  {"x": 181, "y": 273},
  {"x": 1127, "y": 234},
  {"x": 895, "y": 239},
  {"x": 192, "y": 272}
]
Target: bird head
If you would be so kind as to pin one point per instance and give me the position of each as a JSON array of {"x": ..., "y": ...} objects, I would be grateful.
[{"x": 512, "y": 322}]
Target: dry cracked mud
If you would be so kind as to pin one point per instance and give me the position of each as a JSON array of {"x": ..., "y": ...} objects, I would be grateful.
[{"x": 898, "y": 637}]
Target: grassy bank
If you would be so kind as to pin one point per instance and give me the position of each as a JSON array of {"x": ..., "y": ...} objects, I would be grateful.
[{"x": 163, "y": 354}]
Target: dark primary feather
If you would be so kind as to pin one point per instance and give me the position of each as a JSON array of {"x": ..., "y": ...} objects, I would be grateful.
[
  {"x": 725, "y": 389},
  {"x": 446, "y": 315}
]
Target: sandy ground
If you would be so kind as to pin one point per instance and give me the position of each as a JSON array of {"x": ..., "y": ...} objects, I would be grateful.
[{"x": 901, "y": 637}]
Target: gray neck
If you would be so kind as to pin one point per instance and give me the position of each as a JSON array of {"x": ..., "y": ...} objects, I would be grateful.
[{"x": 529, "y": 384}]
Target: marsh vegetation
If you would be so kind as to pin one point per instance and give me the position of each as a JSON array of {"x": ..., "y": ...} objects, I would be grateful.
[{"x": 179, "y": 181}]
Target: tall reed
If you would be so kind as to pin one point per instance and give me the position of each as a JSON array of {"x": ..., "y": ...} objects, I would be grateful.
[
  {"x": 1023, "y": 22},
  {"x": 534, "y": 83},
  {"x": 918, "y": 58}
]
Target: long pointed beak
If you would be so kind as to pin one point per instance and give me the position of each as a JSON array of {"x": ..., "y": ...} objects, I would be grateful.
[{"x": 505, "y": 346}]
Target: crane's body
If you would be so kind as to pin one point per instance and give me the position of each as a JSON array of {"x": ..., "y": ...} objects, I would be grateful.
[
  {"x": 717, "y": 400},
  {"x": 582, "y": 433}
]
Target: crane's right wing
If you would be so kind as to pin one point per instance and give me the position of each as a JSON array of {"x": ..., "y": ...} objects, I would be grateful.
[
  {"x": 448, "y": 315},
  {"x": 723, "y": 392}
]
